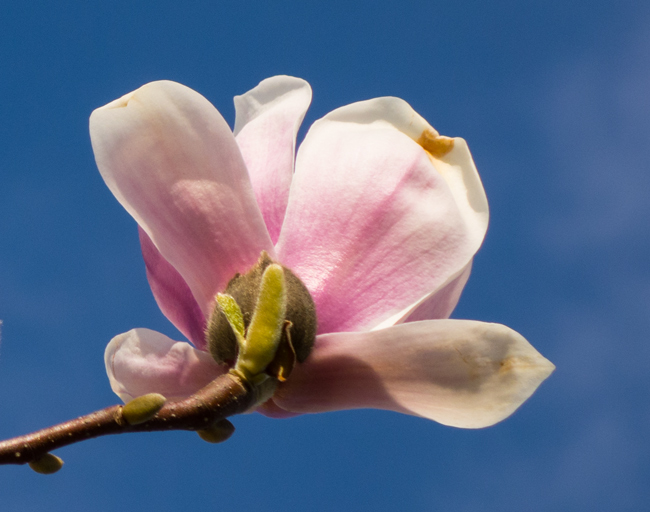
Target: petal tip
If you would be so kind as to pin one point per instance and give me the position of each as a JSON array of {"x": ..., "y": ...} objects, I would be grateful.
[{"x": 434, "y": 144}]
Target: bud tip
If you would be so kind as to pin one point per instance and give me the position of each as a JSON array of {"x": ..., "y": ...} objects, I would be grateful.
[
  {"x": 143, "y": 408},
  {"x": 47, "y": 464},
  {"x": 217, "y": 433}
]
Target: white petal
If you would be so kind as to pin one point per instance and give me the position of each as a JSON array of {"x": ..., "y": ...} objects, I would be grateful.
[
  {"x": 435, "y": 306},
  {"x": 456, "y": 372},
  {"x": 383, "y": 212},
  {"x": 171, "y": 160},
  {"x": 267, "y": 122},
  {"x": 142, "y": 361}
]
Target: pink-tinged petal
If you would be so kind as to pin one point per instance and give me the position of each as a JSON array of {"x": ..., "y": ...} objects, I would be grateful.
[
  {"x": 441, "y": 303},
  {"x": 456, "y": 372},
  {"x": 270, "y": 409},
  {"x": 142, "y": 361},
  {"x": 172, "y": 294},
  {"x": 169, "y": 157},
  {"x": 268, "y": 118},
  {"x": 438, "y": 305},
  {"x": 382, "y": 213}
]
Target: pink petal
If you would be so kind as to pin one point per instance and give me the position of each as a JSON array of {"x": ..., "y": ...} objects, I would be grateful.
[
  {"x": 170, "y": 159},
  {"x": 268, "y": 118},
  {"x": 172, "y": 294},
  {"x": 142, "y": 361},
  {"x": 382, "y": 213},
  {"x": 270, "y": 409},
  {"x": 456, "y": 372},
  {"x": 441, "y": 303}
]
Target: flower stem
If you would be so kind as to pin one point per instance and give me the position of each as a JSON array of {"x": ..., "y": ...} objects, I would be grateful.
[{"x": 225, "y": 396}]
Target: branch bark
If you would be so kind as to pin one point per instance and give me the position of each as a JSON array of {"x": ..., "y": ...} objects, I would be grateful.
[{"x": 225, "y": 396}]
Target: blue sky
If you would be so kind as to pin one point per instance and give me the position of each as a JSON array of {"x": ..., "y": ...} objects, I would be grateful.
[{"x": 552, "y": 97}]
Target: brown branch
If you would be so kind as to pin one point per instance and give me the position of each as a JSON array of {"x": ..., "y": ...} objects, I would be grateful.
[{"x": 225, "y": 396}]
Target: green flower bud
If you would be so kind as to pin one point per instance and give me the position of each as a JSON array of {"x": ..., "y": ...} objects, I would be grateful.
[
  {"x": 143, "y": 408},
  {"x": 245, "y": 289},
  {"x": 217, "y": 433},
  {"x": 47, "y": 464},
  {"x": 263, "y": 335},
  {"x": 230, "y": 309}
]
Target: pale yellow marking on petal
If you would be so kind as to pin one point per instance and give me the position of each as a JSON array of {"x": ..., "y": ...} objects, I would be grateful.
[
  {"x": 119, "y": 102},
  {"x": 436, "y": 145},
  {"x": 508, "y": 364},
  {"x": 516, "y": 363}
]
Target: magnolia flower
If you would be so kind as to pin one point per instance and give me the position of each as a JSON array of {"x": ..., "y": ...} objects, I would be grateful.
[{"x": 377, "y": 214}]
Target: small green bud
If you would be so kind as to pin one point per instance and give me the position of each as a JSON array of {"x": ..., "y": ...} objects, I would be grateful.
[
  {"x": 143, "y": 408},
  {"x": 47, "y": 464},
  {"x": 217, "y": 433},
  {"x": 244, "y": 288},
  {"x": 230, "y": 309},
  {"x": 264, "y": 331}
]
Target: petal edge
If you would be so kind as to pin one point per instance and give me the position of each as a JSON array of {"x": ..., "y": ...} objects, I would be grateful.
[
  {"x": 143, "y": 361},
  {"x": 267, "y": 121},
  {"x": 171, "y": 160},
  {"x": 459, "y": 373},
  {"x": 377, "y": 219}
]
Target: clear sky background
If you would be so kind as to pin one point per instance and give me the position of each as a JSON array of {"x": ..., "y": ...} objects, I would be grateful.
[{"x": 553, "y": 98}]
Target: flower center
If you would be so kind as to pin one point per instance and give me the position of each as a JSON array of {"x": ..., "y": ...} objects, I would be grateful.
[{"x": 268, "y": 298}]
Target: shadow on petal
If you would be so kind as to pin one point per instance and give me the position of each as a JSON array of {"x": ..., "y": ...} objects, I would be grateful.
[
  {"x": 344, "y": 383},
  {"x": 460, "y": 373}
]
